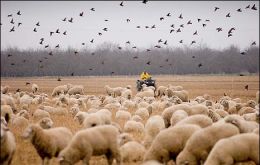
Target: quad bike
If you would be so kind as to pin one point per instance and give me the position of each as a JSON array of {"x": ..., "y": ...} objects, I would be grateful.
[{"x": 148, "y": 82}]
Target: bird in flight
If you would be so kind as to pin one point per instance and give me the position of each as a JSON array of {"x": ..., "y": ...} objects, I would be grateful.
[
  {"x": 239, "y": 10},
  {"x": 161, "y": 18},
  {"x": 199, "y": 19},
  {"x": 254, "y": 7},
  {"x": 37, "y": 24},
  {"x": 148, "y": 63},
  {"x": 204, "y": 24},
  {"x": 12, "y": 21},
  {"x": 58, "y": 31},
  {"x": 246, "y": 87},
  {"x": 243, "y": 53},
  {"x": 64, "y": 19},
  {"x": 105, "y": 29},
  {"x": 200, "y": 65},
  {"x": 92, "y": 9},
  {"x": 35, "y": 30},
  {"x": 51, "y": 33},
  {"x": 9, "y": 15},
  {"x": 144, "y": 1},
  {"x": 193, "y": 42},
  {"x": 81, "y": 14},
  {"x": 19, "y": 13},
  {"x": 216, "y": 8},
  {"x": 230, "y": 31},
  {"x": 172, "y": 30},
  {"x": 253, "y": 43},
  {"x": 65, "y": 33},
  {"x": 71, "y": 20},
  {"x": 228, "y": 15},
  {"x": 19, "y": 24},
  {"x": 57, "y": 46},
  {"x": 168, "y": 15},
  {"x": 180, "y": 16},
  {"x": 219, "y": 29},
  {"x": 165, "y": 42},
  {"x": 181, "y": 41},
  {"x": 121, "y": 4},
  {"x": 92, "y": 41},
  {"x": 12, "y": 30},
  {"x": 195, "y": 33},
  {"x": 189, "y": 23},
  {"x": 179, "y": 30},
  {"x": 247, "y": 7},
  {"x": 127, "y": 20}
]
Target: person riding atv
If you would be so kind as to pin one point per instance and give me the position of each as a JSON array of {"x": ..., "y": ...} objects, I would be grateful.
[{"x": 146, "y": 78}]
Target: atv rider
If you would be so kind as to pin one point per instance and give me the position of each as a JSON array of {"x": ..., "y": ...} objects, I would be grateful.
[{"x": 144, "y": 75}]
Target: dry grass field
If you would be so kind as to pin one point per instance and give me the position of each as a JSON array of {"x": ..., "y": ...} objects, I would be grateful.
[{"x": 215, "y": 86}]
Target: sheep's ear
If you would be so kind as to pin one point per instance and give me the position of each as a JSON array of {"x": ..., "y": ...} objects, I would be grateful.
[{"x": 60, "y": 158}]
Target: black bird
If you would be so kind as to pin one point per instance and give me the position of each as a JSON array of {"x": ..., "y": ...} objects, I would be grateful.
[
  {"x": 72, "y": 74},
  {"x": 121, "y": 4},
  {"x": 81, "y": 14},
  {"x": 105, "y": 29},
  {"x": 146, "y": 27},
  {"x": 57, "y": 46},
  {"x": 219, "y": 29},
  {"x": 243, "y": 53},
  {"x": 168, "y": 15},
  {"x": 50, "y": 53},
  {"x": 230, "y": 31},
  {"x": 134, "y": 47},
  {"x": 200, "y": 65},
  {"x": 59, "y": 79},
  {"x": 12, "y": 30},
  {"x": 24, "y": 61},
  {"x": 153, "y": 27},
  {"x": 216, "y": 8},
  {"x": 204, "y": 25},
  {"x": 247, "y": 7},
  {"x": 64, "y": 19},
  {"x": 71, "y": 20},
  {"x": 228, "y": 15},
  {"x": 229, "y": 34},
  {"x": 102, "y": 62},
  {"x": 128, "y": 42},
  {"x": 65, "y": 33},
  {"x": 46, "y": 46},
  {"x": 195, "y": 33},
  {"x": 112, "y": 72},
  {"x": 189, "y": 22},
  {"x": 92, "y": 9},
  {"x": 160, "y": 40},
  {"x": 148, "y": 63},
  {"x": 119, "y": 47},
  {"x": 12, "y": 21},
  {"x": 82, "y": 43},
  {"x": 57, "y": 31},
  {"x": 199, "y": 19},
  {"x": 193, "y": 56},
  {"x": 10, "y": 15},
  {"x": 144, "y": 1},
  {"x": 34, "y": 30},
  {"x": 160, "y": 66},
  {"x": 135, "y": 57},
  {"x": 38, "y": 24},
  {"x": 12, "y": 64},
  {"x": 207, "y": 20},
  {"x": 253, "y": 7},
  {"x": 19, "y": 24},
  {"x": 9, "y": 55},
  {"x": 75, "y": 52},
  {"x": 181, "y": 41},
  {"x": 193, "y": 42},
  {"x": 246, "y": 87},
  {"x": 172, "y": 30},
  {"x": 138, "y": 27},
  {"x": 161, "y": 18},
  {"x": 41, "y": 42},
  {"x": 106, "y": 20},
  {"x": 92, "y": 41},
  {"x": 51, "y": 33},
  {"x": 253, "y": 43},
  {"x": 157, "y": 46},
  {"x": 182, "y": 25},
  {"x": 225, "y": 94},
  {"x": 27, "y": 83},
  {"x": 181, "y": 16},
  {"x": 127, "y": 20},
  {"x": 19, "y": 13},
  {"x": 148, "y": 50},
  {"x": 167, "y": 60},
  {"x": 92, "y": 53},
  {"x": 239, "y": 10},
  {"x": 165, "y": 42},
  {"x": 99, "y": 33},
  {"x": 40, "y": 61},
  {"x": 172, "y": 25},
  {"x": 179, "y": 30}
]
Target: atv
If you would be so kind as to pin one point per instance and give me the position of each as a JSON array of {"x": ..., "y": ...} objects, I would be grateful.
[{"x": 148, "y": 82}]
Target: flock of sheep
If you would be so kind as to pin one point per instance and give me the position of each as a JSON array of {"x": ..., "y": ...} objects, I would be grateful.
[{"x": 153, "y": 127}]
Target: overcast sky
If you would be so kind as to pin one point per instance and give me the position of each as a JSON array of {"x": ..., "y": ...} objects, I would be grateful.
[{"x": 86, "y": 28}]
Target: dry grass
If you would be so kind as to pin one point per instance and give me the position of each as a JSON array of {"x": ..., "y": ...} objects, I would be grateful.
[{"x": 215, "y": 86}]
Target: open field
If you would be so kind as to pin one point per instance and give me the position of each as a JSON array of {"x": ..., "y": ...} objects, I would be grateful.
[{"x": 215, "y": 86}]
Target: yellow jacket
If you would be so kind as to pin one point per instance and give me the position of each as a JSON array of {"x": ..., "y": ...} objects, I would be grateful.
[{"x": 145, "y": 76}]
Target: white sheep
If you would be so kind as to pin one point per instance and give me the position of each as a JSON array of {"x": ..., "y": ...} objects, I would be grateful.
[
  {"x": 127, "y": 93},
  {"x": 62, "y": 89},
  {"x": 35, "y": 88},
  {"x": 124, "y": 138},
  {"x": 238, "y": 148},
  {"x": 20, "y": 121},
  {"x": 8, "y": 145},
  {"x": 133, "y": 126},
  {"x": 164, "y": 147},
  {"x": 80, "y": 116},
  {"x": 160, "y": 91},
  {"x": 178, "y": 116},
  {"x": 96, "y": 119},
  {"x": 123, "y": 115},
  {"x": 132, "y": 152},
  {"x": 201, "y": 142},
  {"x": 77, "y": 89},
  {"x": 257, "y": 97},
  {"x": 252, "y": 117},
  {"x": 200, "y": 120},
  {"x": 143, "y": 113},
  {"x": 136, "y": 118},
  {"x": 6, "y": 112},
  {"x": 152, "y": 127},
  {"x": 23, "y": 113},
  {"x": 8, "y": 100},
  {"x": 48, "y": 142},
  {"x": 183, "y": 94},
  {"x": 93, "y": 141},
  {"x": 142, "y": 94},
  {"x": 243, "y": 125},
  {"x": 39, "y": 114},
  {"x": 109, "y": 90},
  {"x": 5, "y": 89},
  {"x": 45, "y": 123},
  {"x": 151, "y": 162}
]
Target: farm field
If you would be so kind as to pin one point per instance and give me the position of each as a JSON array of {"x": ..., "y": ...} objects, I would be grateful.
[{"x": 216, "y": 86}]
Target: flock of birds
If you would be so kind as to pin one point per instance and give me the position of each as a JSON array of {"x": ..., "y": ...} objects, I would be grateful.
[{"x": 158, "y": 45}]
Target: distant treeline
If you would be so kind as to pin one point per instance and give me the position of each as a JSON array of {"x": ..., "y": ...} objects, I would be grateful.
[{"x": 108, "y": 59}]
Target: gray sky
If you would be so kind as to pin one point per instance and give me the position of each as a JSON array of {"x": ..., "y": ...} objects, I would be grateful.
[{"x": 83, "y": 29}]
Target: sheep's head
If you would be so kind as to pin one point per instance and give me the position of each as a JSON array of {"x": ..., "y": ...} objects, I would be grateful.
[
  {"x": 29, "y": 131},
  {"x": 186, "y": 158},
  {"x": 46, "y": 123},
  {"x": 251, "y": 103}
]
